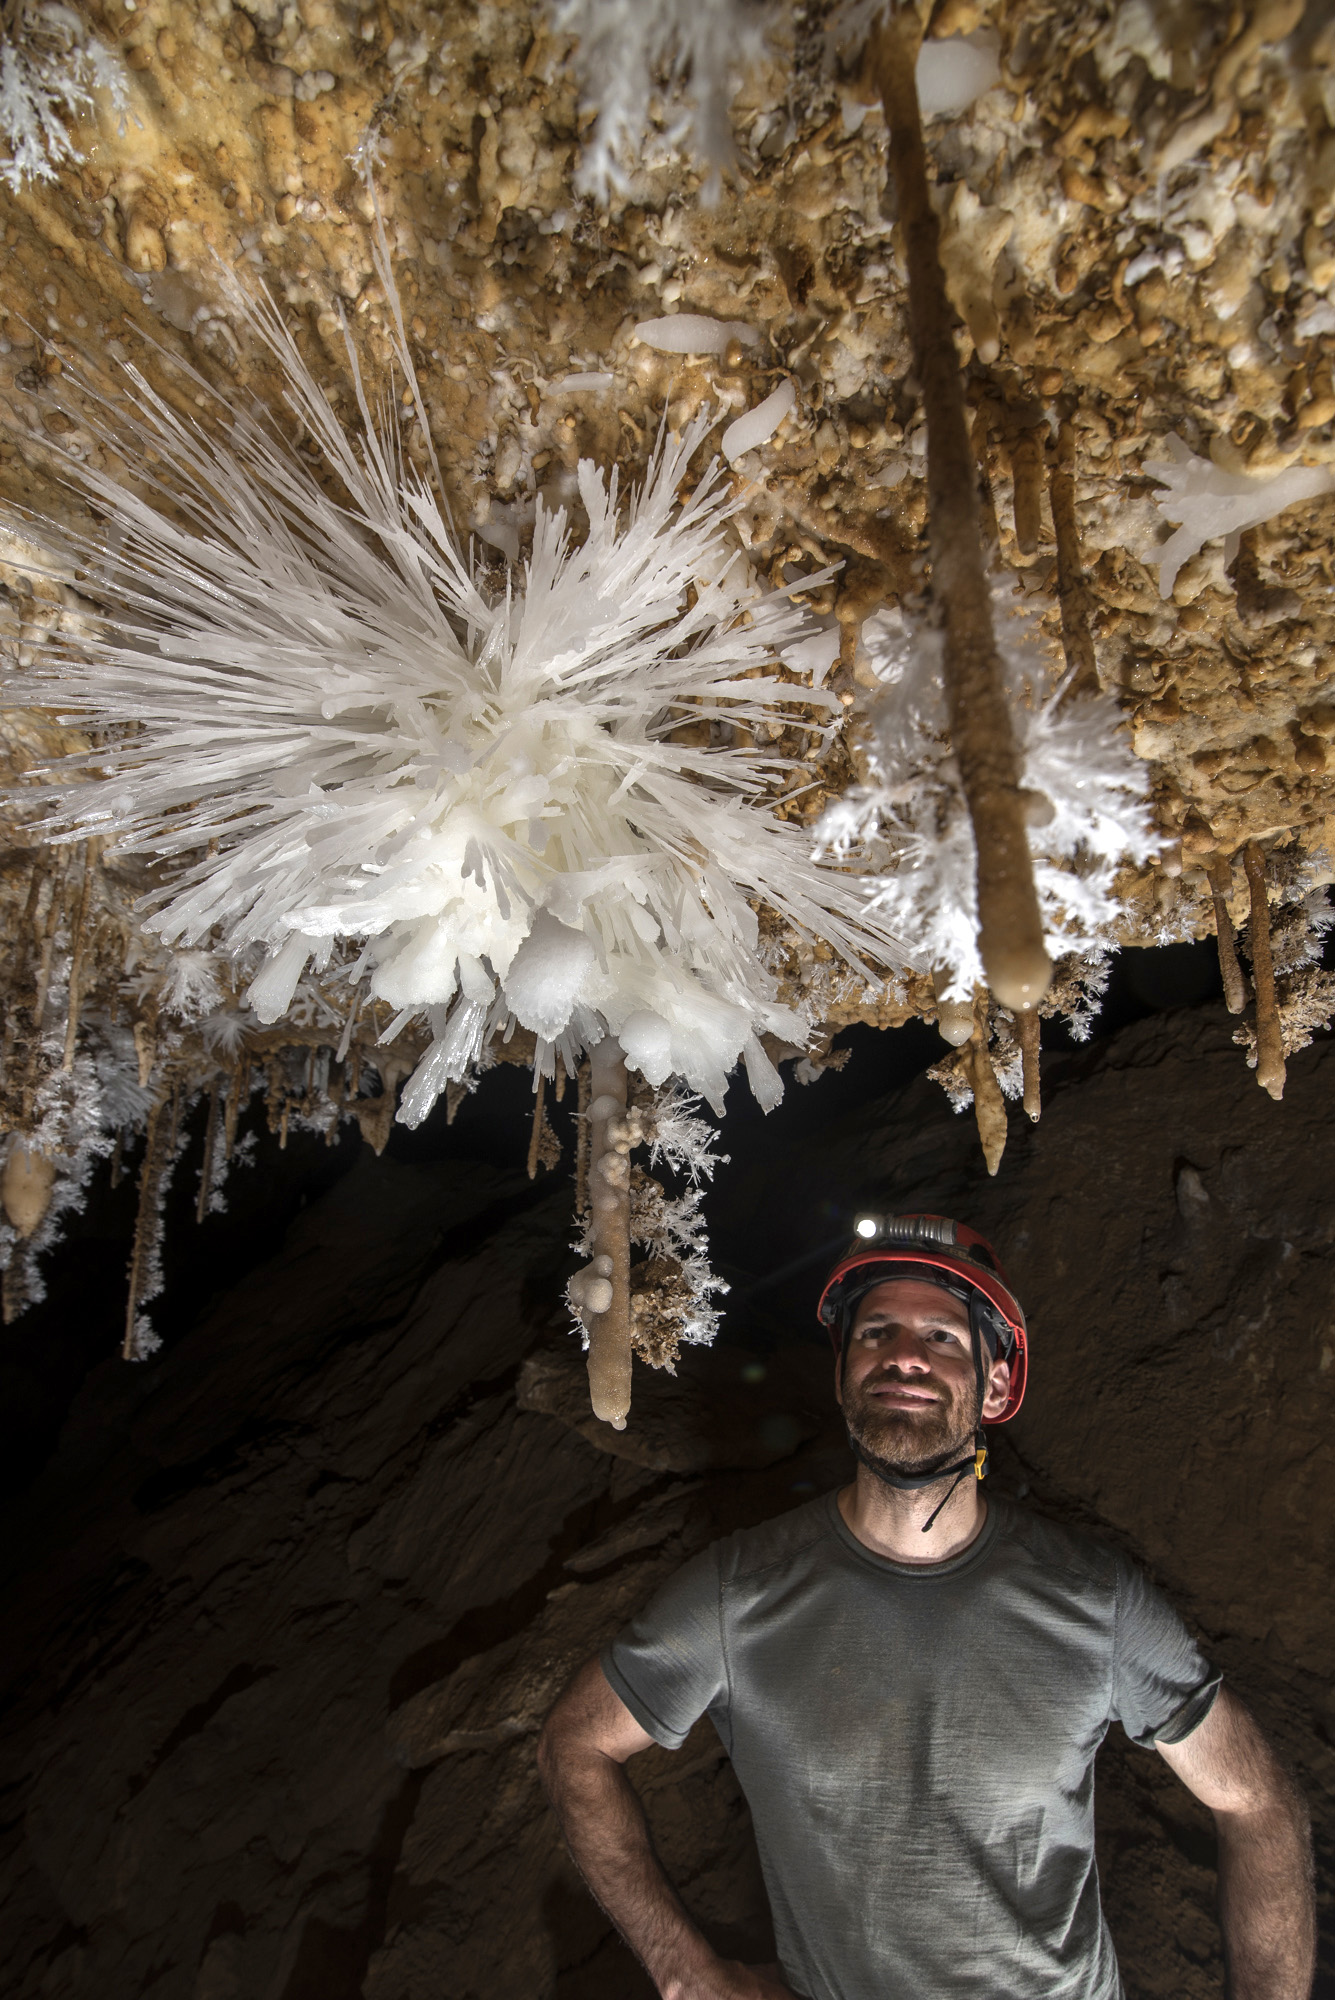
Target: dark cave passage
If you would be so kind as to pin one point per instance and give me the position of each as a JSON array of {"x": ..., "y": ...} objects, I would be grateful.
[{"x": 287, "y": 1603}]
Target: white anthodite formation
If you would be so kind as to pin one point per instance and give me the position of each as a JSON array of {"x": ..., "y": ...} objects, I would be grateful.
[{"x": 355, "y": 754}]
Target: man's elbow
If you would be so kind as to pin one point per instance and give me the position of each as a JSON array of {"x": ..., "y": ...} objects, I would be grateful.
[
  {"x": 1272, "y": 1804},
  {"x": 1275, "y": 1791},
  {"x": 1283, "y": 1795}
]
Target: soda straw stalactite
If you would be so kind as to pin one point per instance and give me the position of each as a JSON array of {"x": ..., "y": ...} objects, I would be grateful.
[
  {"x": 1072, "y": 585},
  {"x": 535, "y": 1133},
  {"x": 1010, "y": 927},
  {"x": 582, "y": 1096},
  {"x": 1026, "y": 457},
  {"x": 602, "y": 1292},
  {"x": 144, "y": 1274},
  {"x": 980, "y": 438},
  {"x": 1027, "y": 1029},
  {"x": 209, "y": 1165},
  {"x": 989, "y": 1106},
  {"x": 78, "y": 950},
  {"x": 1219, "y": 874},
  {"x": 1269, "y": 1034}
]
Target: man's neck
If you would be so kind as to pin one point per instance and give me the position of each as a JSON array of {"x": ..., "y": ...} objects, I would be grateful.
[{"x": 890, "y": 1522}]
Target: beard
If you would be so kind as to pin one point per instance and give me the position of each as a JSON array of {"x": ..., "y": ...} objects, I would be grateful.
[{"x": 893, "y": 1443}]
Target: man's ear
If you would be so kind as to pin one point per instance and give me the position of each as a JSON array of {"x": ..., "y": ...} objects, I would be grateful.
[
  {"x": 839, "y": 1375},
  {"x": 998, "y": 1389}
]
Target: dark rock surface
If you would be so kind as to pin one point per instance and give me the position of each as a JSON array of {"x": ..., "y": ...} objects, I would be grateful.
[{"x": 284, "y": 1612}]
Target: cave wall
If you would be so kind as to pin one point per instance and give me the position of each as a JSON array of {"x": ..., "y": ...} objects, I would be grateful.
[{"x": 285, "y": 1610}]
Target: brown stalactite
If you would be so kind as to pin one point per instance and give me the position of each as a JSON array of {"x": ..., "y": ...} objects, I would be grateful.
[
  {"x": 1269, "y": 1033},
  {"x": 48, "y": 935},
  {"x": 36, "y": 881},
  {"x": 535, "y": 1135},
  {"x": 1026, "y": 457},
  {"x": 236, "y": 1098},
  {"x": 980, "y": 439},
  {"x": 145, "y": 1034},
  {"x": 989, "y": 1106},
  {"x": 1027, "y": 1028},
  {"x": 582, "y": 1139},
  {"x": 46, "y": 945},
  {"x": 28, "y": 927},
  {"x": 1219, "y": 874},
  {"x": 1073, "y": 596},
  {"x": 148, "y": 1219},
  {"x": 15, "y": 1285},
  {"x": 17, "y": 1041},
  {"x": 210, "y": 1153},
  {"x": 1010, "y": 926},
  {"x": 609, "y": 1330},
  {"x": 77, "y": 954}
]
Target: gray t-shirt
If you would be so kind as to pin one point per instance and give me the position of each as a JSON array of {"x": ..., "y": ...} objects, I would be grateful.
[{"x": 917, "y": 1743}]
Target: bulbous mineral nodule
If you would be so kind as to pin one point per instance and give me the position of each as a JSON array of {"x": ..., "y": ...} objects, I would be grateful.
[
  {"x": 1017, "y": 978},
  {"x": 25, "y": 1187},
  {"x": 954, "y": 1021}
]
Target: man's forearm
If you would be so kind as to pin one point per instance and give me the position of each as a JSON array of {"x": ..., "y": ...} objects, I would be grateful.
[
  {"x": 1266, "y": 1902},
  {"x": 604, "y": 1827}
]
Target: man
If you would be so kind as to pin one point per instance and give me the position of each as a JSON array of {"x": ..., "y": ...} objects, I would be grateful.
[{"x": 912, "y": 1683}]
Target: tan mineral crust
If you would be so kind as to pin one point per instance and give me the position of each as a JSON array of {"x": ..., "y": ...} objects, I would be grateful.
[{"x": 1137, "y": 235}]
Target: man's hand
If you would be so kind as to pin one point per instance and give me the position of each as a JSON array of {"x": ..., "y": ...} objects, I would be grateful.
[
  {"x": 586, "y": 1740},
  {"x": 729, "y": 1979},
  {"x": 1267, "y": 1910}
]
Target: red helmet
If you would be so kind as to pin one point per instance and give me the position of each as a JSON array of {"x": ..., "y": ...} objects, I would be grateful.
[{"x": 950, "y": 1247}]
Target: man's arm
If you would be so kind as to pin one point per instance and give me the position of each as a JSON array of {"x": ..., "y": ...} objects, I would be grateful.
[
  {"x": 584, "y": 1745},
  {"x": 1267, "y": 1910}
]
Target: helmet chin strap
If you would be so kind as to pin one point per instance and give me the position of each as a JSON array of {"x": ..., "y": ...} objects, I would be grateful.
[{"x": 914, "y": 1482}]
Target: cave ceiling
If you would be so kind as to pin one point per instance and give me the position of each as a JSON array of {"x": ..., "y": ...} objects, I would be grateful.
[{"x": 1137, "y": 237}]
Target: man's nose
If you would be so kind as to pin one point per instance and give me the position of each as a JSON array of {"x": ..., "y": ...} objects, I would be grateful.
[{"x": 902, "y": 1350}]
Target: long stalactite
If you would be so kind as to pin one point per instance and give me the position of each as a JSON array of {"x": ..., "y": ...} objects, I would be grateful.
[{"x": 981, "y": 731}]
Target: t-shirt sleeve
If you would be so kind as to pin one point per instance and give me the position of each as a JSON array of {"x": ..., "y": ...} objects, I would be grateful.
[
  {"x": 667, "y": 1665},
  {"x": 1163, "y": 1685}
]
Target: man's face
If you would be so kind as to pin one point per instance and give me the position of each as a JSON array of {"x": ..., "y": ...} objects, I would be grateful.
[{"x": 907, "y": 1384}]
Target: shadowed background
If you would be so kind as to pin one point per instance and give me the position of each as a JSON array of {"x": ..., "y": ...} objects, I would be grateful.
[{"x": 286, "y": 1604}]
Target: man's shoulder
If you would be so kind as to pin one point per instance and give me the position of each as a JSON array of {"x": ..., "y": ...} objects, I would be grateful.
[
  {"x": 1056, "y": 1546},
  {"x": 787, "y": 1538}
]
